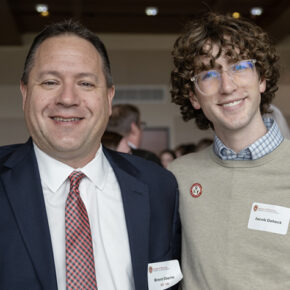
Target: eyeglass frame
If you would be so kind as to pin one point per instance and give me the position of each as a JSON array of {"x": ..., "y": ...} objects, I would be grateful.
[
  {"x": 142, "y": 125},
  {"x": 194, "y": 78}
]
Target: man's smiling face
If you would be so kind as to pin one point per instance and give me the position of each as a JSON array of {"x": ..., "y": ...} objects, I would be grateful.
[{"x": 66, "y": 101}]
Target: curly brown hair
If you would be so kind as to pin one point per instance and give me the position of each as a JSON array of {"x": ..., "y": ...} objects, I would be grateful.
[{"x": 236, "y": 39}]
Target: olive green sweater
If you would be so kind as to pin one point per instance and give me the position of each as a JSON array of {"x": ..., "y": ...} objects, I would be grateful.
[{"x": 218, "y": 250}]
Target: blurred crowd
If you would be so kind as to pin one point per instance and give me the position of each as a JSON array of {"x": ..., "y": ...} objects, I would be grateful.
[{"x": 124, "y": 134}]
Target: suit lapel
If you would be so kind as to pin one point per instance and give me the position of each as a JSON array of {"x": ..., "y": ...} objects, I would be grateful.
[
  {"x": 23, "y": 187},
  {"x": 137, "y": 213}
]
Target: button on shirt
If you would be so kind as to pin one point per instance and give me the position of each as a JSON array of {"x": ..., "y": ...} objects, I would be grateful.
[
  {"x": 263, "y": 146},
  {"x": 101, "y": 195}
]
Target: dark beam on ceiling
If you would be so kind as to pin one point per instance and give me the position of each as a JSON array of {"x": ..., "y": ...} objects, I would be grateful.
[
  {"x": 77, "y": 9},
  {"x": 279, "y": 28},
  {"x": 9, "y": 34}
]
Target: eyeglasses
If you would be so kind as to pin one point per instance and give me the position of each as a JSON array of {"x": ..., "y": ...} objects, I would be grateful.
[{"x": 209, "y": 82}]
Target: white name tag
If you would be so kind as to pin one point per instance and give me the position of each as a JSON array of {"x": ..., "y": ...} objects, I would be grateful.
[
  {"x": 163, "y": 275},
  {"x": 269, "y": 218}
]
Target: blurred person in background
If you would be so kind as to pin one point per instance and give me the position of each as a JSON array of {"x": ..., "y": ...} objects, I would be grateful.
[
  {"x": 115, "y": 141},
  {"x": 126, "y": 120},
  {"x": 166, "y": 156}
]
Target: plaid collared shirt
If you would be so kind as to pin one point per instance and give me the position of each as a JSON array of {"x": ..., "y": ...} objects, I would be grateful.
[{"x": 265, "y": 145}]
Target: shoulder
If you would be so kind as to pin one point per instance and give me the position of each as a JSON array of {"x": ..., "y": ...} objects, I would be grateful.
[
  {"x": 286, "y": 143},
  {"x": 7, "y": 150},
  {"x": 192, "y": 164},
  {"x": 139, "y": 167},
  {"x": 11, "y": 155},
  {"x": 146, "y": 155},
  {"x": 283, "y": 150},
  {"x": 191, "y": 159}
]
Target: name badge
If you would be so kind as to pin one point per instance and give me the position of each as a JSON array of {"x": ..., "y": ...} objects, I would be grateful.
[
  {"x": 269, "y": 218},
  {"x": 163, "y": 275}
]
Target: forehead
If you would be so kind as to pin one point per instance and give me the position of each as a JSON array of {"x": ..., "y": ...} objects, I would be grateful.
[{"x": 66, "y": 48}]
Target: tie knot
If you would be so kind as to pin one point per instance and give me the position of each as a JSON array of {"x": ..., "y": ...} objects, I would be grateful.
[{"x": 75, "y": 178}]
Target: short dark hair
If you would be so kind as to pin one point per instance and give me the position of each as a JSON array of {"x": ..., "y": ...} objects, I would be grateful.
[
  {"x": 67, "y": 27},
  {"x": 123, "y": 115},
  {"x": 111, "y": 139},
  {"x": 239, "y": 39}
]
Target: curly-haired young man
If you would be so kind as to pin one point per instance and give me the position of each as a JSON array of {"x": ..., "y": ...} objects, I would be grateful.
[{"x": 234, "y": 195}]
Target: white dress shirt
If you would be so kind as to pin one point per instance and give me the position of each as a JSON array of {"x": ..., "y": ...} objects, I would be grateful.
[{"x": 101, "y": 195}]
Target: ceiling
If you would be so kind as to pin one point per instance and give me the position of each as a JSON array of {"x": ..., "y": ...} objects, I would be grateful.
[{"x": 18, "y": 17}]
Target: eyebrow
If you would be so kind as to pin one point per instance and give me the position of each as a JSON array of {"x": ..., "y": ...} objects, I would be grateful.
[
  {"x": 92, "y": 75},
  {"x": 78, "y": 75}
]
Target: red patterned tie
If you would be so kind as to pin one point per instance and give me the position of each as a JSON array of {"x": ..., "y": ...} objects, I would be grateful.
[{"x": 80, "y": 266}]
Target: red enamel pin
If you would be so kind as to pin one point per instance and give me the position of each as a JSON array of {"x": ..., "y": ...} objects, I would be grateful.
[{"x": 196, "y": 190}]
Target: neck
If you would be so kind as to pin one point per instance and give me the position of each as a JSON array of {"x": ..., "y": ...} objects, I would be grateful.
[
  {"x": 237, "y": 140},
  {"x": 70, "y": 158}
]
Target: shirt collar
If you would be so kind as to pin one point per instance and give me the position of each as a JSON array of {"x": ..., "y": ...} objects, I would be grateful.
[
  {"x": 131, "y": 145},
  {"x": 264, "y": 145},
  {"x": 54, "y": 173}
]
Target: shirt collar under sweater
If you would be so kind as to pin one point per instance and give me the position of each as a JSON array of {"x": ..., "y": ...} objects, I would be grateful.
[{"x": 263, "y": 146}]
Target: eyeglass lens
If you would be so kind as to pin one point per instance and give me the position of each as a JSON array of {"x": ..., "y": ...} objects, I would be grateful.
[{"x": 209, "y": 82}]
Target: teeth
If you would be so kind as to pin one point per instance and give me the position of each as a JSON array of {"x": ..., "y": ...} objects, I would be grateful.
[
  {"x": 59, "y": 119},
  {"x": 232, "y": 104}
]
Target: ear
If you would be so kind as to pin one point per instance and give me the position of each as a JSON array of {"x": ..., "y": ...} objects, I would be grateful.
[
  {"x": 111, "y": 94},
  {"x": 262, "y": 86},
  {"x": 194, "y": 101},
  {"x": 23, "y": 89},
  {"x": 134, "y": 128}
]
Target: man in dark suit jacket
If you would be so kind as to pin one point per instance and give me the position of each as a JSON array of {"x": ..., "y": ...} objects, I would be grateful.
[{"x": 67, "y": 93}]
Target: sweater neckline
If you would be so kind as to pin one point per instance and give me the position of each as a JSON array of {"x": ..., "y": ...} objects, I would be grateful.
[{"x": 249, "y": 163}]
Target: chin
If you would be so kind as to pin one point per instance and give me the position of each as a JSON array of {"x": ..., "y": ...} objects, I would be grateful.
[
  {"x": 65, "y": 146},
  {"x": 236, "y": 125}
]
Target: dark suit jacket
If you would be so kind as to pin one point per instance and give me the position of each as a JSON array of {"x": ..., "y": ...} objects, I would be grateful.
[
  {"x": 150, "y": 201},
  {"x": 147, "y": 155}
]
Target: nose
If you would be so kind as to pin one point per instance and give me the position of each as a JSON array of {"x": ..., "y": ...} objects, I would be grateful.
[
  {"x": 68, "y": 96},
  {"x": 227, "y": 83}
]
